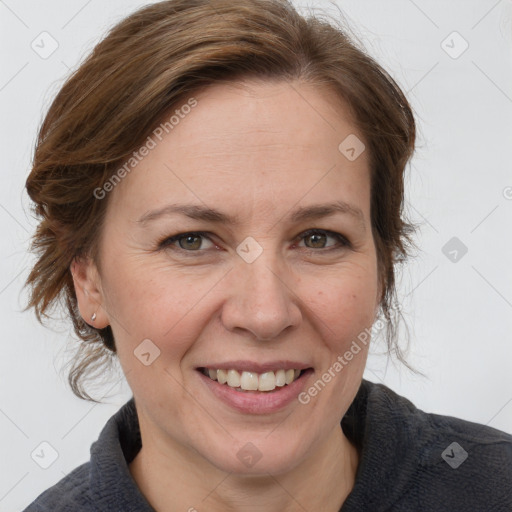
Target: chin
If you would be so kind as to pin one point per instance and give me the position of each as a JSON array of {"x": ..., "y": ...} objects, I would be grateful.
[{"x": 258, "y": 457}]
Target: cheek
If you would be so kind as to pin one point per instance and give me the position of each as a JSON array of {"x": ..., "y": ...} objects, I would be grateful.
[
  {"x": 344, "y": 302},
  {"x": 150, "y": 301}
]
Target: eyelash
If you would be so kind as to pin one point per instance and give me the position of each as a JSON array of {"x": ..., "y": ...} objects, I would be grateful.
[{"x": 344, "y": 243}]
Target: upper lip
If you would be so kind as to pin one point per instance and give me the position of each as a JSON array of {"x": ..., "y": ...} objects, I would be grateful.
[{"x": 252, "y": 366}]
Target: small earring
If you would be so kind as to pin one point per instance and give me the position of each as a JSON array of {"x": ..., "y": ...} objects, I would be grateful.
[{"x": 93, "y": 317}]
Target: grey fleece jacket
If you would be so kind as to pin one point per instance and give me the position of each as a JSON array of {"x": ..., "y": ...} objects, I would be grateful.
[{"x": 410, "y": 460}]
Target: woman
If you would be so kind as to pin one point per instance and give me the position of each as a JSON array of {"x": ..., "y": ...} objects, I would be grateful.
[{"x": 220, "y": 187}]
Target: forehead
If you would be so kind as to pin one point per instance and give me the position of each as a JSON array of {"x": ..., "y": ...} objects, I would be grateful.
[
  {"x": 267, "y": 114},
  {"x": 251, "y": 141}
]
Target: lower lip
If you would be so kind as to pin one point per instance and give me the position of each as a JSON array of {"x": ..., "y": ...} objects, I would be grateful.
[{"x": 257, "y": 402}]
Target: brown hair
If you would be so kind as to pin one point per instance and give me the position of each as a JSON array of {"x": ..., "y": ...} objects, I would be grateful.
[{"x": 144, "y": 67}]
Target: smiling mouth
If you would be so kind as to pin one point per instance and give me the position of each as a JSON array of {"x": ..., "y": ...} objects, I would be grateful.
[{"x": 252, "y": 381}]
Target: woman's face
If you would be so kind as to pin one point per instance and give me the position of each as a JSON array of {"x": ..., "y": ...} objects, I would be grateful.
[{"x": 254, "y": 168}]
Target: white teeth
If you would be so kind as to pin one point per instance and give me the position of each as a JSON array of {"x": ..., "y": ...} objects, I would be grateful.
[
  {"x": 280, "y": 378},
  {"x": 233, "y": 379},
  {"x": 222, "y": 376},
  {"x": 267, "y": 381},
  {"x": 251, "y": 381}
]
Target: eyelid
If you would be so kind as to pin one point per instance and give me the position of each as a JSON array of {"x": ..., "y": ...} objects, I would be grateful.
[
  {"x": 169, "y": 241},
  {"x": 343, "y": 241}
]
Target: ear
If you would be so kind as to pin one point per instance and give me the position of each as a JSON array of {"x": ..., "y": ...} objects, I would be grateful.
[{"x": 88, "y": 292}]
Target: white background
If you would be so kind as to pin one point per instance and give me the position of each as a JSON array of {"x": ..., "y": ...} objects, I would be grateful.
[{"x": 459, "y": 314}]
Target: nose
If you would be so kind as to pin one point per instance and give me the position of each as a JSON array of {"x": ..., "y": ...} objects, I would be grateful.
[{"x": 262, "y": 300}]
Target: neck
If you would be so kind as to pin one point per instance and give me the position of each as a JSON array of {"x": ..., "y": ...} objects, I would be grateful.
[{"x": 178, "y": 479}]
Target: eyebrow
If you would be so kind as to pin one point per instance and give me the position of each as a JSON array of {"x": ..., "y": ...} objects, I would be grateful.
[{"x": 304, "y": 213}]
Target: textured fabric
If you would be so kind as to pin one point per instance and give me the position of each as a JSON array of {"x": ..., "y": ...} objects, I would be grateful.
[{"x": 401, "y": 469}]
